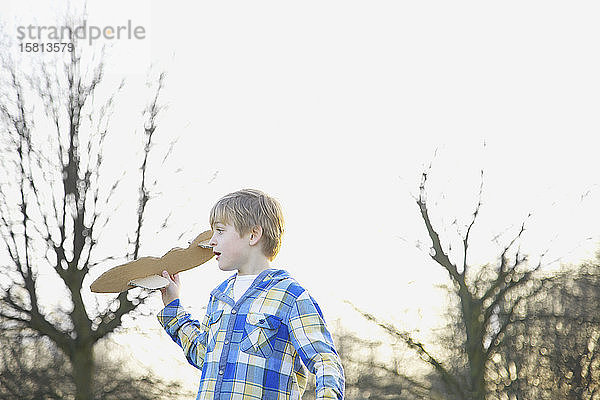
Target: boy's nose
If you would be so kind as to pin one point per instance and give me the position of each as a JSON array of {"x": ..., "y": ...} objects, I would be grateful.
[{"x": 212, "y": 242}]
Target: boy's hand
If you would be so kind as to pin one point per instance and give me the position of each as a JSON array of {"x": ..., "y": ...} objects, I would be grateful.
[{"x": 170, "y": 292}]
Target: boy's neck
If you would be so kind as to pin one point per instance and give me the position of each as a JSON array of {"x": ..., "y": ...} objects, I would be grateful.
[
  {"x": 252, "y": 270},
  {"x": 254, "y": 266}
]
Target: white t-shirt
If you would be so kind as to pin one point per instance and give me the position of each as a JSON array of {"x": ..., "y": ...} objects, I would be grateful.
[{"x": 241, "y": 284}]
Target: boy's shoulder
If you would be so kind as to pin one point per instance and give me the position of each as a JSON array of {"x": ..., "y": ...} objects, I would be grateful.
[{"x": 280, "y": 279}]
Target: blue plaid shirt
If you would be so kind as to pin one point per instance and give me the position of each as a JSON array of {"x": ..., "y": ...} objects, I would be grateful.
[{"x": 261, "y": 346}]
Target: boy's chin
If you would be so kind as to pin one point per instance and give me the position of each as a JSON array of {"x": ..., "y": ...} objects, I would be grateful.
[{"x": 226, "y": 267}]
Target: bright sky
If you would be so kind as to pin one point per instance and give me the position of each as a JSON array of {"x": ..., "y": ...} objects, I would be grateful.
[{"x": 336, "y": 107}]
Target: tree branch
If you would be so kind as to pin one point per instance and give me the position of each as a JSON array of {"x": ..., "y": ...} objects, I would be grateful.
[
  {"x": 466, "y": 238},
  {"x": 439, "y": 255},
  {"x": 447, "y": 377},
  {"x": 503, "y": 271}
]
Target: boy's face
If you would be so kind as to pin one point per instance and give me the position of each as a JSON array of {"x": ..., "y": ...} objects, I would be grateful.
[{"x": 231, "y": 249}]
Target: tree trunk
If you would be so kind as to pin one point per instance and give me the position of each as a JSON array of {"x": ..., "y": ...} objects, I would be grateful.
[
  {"x": 472, "y": 317},
  {"x": 82, "y": 361}
]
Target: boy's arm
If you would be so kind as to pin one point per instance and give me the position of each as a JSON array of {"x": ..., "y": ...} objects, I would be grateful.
[
  {"x": 313, "y": 342},
  {"x": 188, "y": 333}
]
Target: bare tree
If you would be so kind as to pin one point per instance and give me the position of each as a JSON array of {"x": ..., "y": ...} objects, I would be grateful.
[
  {"x": 480, "y": 293},
  {"x": 33, "y": 368},
  {"x": 486, "y": 299},
  {"x": 54, "y": 202}
]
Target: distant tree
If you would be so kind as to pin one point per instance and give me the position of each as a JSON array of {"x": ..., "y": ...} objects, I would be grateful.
[
  {"x": 484, "y": 301},
  {"x": 54, "y": 201},
  {"x": 551, "y": 349},
  {"x": 367, "y": 377},
  {"x": 33, "y": 368}
]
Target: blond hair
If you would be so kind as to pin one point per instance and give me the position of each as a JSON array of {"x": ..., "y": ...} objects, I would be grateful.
[{"x": 248, "y": 208}]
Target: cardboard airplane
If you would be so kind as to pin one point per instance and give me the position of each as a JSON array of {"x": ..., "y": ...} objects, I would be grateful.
[{"x": 146, "y": 272}]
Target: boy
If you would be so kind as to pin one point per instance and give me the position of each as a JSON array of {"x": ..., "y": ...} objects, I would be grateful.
[{"x": 262, "y": 330}]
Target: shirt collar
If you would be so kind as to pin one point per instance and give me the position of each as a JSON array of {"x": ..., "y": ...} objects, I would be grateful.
[{"x": 225, "y": 288}]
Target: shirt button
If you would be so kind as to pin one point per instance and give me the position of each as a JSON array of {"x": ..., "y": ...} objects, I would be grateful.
[
  {"x": 220, "y": 372},
  {"x": 227, "y": 342},
  {"x": 233, "y": 311}
]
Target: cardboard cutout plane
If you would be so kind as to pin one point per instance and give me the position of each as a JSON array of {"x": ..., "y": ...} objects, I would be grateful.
[{"x": 146, "y": 271}]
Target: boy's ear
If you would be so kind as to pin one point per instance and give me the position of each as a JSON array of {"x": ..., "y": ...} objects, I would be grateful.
[{"x": 255, "y": 234}]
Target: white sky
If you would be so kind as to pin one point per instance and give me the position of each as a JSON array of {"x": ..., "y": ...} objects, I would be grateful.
[{"x": 336, "y": 107}]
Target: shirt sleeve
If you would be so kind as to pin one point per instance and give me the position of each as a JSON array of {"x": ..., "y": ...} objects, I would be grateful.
[
  {"x": 312, "y": 341},
  {"x": 188, "y": 333}
]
